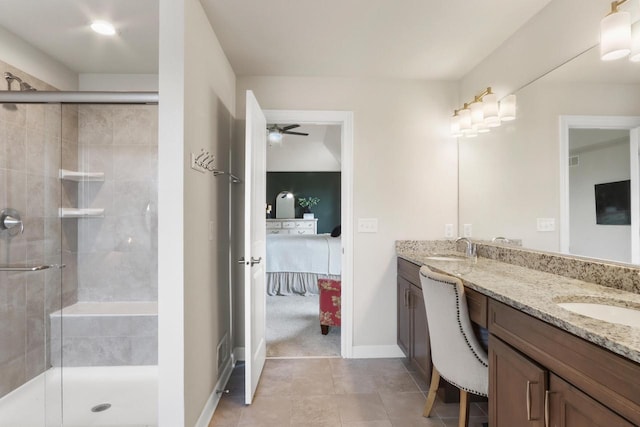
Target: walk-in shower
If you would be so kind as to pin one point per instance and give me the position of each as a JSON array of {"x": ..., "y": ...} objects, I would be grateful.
[{"x": 78, "y": 258}]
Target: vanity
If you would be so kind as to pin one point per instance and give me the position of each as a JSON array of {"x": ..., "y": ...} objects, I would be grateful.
[{"x": 548, "y": 366}]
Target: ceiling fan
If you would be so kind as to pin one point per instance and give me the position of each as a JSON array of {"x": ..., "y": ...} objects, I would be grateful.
[{"x": 276, "y": 132}]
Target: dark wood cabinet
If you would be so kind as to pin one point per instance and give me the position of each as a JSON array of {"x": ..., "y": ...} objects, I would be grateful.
[
  {"x": 561, "y": 377},
  {"x": 413, "y": 333},
  {"x": 570, "y": 407},
  {"x": 517, "y": 387}
]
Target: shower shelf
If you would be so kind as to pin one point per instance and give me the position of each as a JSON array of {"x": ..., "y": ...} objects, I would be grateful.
[
  {"x": 76, "y": 176},
  {"x": 81, "y": 213}
]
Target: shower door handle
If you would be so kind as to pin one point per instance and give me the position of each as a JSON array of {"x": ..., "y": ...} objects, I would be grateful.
[{"x": 30, "y": 267}]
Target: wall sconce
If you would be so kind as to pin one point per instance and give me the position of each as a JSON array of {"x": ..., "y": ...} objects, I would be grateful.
[
  {"x": 482, "y": 114},
  {"x": 618, "y": 38}
]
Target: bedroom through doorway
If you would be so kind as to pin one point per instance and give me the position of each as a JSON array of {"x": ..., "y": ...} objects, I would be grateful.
[{"x": 304, "y": 253}]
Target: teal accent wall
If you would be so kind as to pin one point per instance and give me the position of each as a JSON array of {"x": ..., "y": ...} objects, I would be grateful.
[{"x": 324, "y": 185}]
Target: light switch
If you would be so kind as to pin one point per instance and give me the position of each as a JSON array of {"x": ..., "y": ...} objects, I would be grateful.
[
  {"x": 546, "y": 224},
  {"x": 467, "y": 230},
  {"x": 367, "y": 225}
]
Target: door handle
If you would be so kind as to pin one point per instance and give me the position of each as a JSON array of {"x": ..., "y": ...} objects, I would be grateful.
[
  {"x": 241, "y": 260},
  {"x": 529, "y": 400},
  {"x": 546, "y": 408},
  {"x": 255, "y": 261}
]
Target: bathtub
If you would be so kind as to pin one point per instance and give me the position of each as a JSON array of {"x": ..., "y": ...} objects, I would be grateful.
[
  {"x": 105, "y": 334},
  {"x": 64, "y": 398}
]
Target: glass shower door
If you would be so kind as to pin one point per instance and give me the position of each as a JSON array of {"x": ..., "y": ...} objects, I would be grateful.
[{"x": 31, "y": 260}]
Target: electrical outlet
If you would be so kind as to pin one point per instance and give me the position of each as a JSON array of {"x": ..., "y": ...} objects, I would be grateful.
[
  {"x": 367, "y": 225},
  {"x": 467, "y": 230},
  {"x": 546, "y": 224},
  {"x": 448, "y": 230}
]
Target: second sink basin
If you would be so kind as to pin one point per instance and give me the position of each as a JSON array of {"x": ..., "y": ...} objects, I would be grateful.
[{"x": 605, "y": 312}]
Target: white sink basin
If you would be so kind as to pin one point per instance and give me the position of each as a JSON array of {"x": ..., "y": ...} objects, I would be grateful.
[{"x": 605, "y": 312}]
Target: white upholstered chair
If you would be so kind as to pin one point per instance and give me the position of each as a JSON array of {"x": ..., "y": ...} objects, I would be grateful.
[{"x": 456, "y": 354}]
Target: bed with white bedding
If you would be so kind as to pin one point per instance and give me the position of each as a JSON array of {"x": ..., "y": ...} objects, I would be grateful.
[{"x": 295, "y": 262}]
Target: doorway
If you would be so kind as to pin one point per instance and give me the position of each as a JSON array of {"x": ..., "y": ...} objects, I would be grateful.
[
  {"x": 600, "y": 187},
  {"x": 344, "y": 120}
]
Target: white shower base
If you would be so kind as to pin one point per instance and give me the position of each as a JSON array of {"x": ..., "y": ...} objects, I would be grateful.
[{"x": 131, "y": 390}]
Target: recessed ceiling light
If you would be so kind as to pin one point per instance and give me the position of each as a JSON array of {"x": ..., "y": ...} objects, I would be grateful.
[{"x": 103, "y": 27}]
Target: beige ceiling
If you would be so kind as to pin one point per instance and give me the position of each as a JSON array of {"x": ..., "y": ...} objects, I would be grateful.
[{"x": 424, "y": 39}]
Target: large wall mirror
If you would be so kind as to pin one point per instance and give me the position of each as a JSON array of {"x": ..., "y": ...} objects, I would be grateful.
[{"x": 575, "y": 140}]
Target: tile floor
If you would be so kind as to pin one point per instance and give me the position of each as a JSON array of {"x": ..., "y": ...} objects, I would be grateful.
[{"x": 334, "y": 392}]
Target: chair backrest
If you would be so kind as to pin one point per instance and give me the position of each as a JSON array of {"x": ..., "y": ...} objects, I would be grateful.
[{"x": 455, "y": 350}]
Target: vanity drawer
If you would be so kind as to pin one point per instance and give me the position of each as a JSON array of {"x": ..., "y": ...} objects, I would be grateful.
[
  {"x": 477, "y": 305},
  {"x": 409, "y": 271}
]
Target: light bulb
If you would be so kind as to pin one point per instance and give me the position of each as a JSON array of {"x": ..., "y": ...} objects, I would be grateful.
[
  {"x": 476, "y": 112},
  {"x": 103, "y": 27},
  {"x": 615, "y": 35},
  {"x": 465, "y": 119},
  {"x": 508, "y": 108},
  {"x": 275, "y": 137}
]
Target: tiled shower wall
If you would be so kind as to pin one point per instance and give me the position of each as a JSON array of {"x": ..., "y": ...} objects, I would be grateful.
[
  {"x": 31, "y": 140},
  {"x": 117, "y": 254}
]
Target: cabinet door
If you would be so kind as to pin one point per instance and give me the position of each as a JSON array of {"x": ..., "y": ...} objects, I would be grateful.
[
  {"x": 569, "y": 407},
  {"x": 517, "y": 388},
  {"x": 404, "y": 316},
  {"x": 421, "y": 354}
]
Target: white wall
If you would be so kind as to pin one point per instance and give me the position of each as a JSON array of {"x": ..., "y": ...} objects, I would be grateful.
[
  {"x": 118, "y": 82},
  {"x": 197, "y": 101},
  {"x": 405, "y": 174},
  {"x": 607, "y": 164},
  {"x": 29, "y": 59}
]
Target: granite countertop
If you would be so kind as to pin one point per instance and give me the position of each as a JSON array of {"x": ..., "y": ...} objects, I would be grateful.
[{"x": 537, "y": 293}]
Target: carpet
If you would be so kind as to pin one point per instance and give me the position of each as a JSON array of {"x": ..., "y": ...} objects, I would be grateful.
[{"x": 293, "y": 328}]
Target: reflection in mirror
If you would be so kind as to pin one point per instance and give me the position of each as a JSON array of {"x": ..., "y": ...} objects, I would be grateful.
[
  {"x": 511, "y": 180},
  {"x": 284, "y": 205},
  {"x": 599, "y": 194}
]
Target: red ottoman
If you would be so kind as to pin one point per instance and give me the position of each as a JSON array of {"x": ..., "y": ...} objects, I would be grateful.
[{"x": 329, "y": 304}]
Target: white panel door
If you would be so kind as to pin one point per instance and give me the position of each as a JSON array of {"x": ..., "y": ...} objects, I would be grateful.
[{"x": 254, "y": 246}]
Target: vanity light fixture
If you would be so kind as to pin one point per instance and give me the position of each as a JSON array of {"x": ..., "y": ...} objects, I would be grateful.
[
  {"x": 482, "y": 114},
  {"x": 617, "y": 36},
  {"x": 103, "y": 27}
]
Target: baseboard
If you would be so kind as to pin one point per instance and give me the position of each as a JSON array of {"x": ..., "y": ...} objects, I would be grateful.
[
  {"x": 376, "y": 351},
  {"x": 214, "y": 398},
  {"x": 238, "y": 354}
]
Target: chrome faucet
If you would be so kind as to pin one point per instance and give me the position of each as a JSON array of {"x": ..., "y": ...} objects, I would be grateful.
[{"x": 471, "y": 247}]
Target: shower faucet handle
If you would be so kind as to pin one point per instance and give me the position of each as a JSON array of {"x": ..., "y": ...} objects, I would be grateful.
[{"x": 10, "y": 219}]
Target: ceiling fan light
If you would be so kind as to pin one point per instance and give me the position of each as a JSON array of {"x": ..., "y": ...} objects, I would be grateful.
[
  {"x": 615, "y": 35},
  {"x": 275, "y": 137}
]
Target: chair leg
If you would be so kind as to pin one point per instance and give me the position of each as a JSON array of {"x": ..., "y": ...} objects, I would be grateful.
[
  {"x": 324, "y": 329},
  {"x": 463, "y": 419},
  {"x": 433, "y": 390}
]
